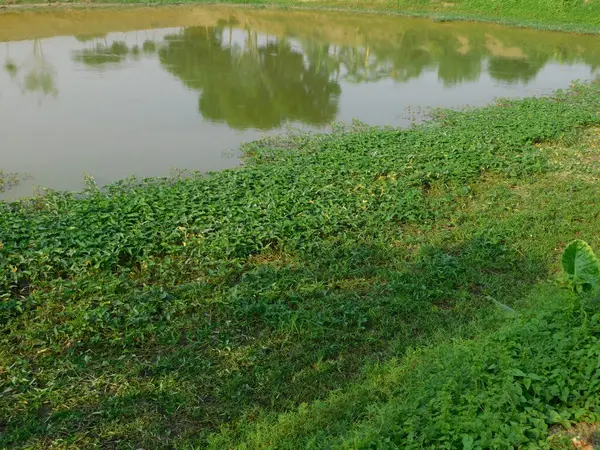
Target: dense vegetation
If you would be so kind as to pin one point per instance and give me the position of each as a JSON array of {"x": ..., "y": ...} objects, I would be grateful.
[
  {"x": 514, "y": 388},
  {"x": 183, "y": 312}
]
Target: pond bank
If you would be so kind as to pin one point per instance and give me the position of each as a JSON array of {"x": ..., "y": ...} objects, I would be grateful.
[
  {"x": 191, "y": 310},
  {"x": 580, "y": 16}
]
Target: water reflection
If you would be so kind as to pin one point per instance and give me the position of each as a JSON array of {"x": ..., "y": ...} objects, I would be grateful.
[
  {"x": 251, "y": 85},
  {"x": 35, "y": 74},
  {"x": 262, "y": 81},
  {"x": 101, "y": 53}
]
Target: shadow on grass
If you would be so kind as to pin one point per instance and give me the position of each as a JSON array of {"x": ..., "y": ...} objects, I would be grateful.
[{"x": 284, "y": 330}]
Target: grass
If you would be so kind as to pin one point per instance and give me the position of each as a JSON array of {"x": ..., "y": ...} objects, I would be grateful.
[
  {"x": 562, "y": 15},
  {"x": 199, "y": 310},
  {"x": 512, "y": 388}
]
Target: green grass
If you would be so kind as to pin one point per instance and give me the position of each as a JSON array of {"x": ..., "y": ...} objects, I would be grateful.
[
  {"x": 513, "y": 388},
  {"x": 195, "y": 310},
  {"x": 562, "y": 15}
]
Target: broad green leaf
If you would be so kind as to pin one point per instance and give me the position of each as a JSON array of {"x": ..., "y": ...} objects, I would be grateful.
[
  {"x": 516, "y": 372},
  {"x": 507, "y": 310},
  {"x": 581, "y": 265},
  {"x": 468, "y": 442}
]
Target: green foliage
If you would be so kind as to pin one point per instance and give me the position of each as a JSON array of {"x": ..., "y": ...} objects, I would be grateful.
[
  {"x": 505, "y": 389},
  {"x": 501, "y": 392},
  {"x": 581, "y": 266},
  {"x": 288, "y": 200},
  {"x": 157, "y": 312}
]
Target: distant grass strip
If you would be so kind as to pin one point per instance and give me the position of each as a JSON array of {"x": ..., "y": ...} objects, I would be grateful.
[
  {"x": 157, "y": 313},
  {"x": 561, "y": 15}
]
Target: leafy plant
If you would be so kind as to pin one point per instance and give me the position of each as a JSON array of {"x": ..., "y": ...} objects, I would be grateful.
[
  {"x": 505, "y": 389},
  {"x": 581, "y": 266}
]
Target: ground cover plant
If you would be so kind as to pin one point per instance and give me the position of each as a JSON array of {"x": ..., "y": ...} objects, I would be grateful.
[
  {"x": 188, "y": 312},
  {"x": 515, "y": 387}
]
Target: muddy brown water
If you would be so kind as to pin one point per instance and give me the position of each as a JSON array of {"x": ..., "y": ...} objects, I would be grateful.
[{"x": 143, "y": 91}]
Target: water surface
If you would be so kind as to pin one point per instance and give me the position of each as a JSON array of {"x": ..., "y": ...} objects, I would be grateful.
[{"x": 120, "y": 92}]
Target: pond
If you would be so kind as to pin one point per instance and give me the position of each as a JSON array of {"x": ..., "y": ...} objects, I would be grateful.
[{"x": 142, "y": 91}]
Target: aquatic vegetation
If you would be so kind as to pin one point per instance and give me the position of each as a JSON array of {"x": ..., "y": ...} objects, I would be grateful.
[
  {"x": 8, "y": 180},
  {"x": 332, "y": 185},
  {"x": 335, "y": 292}
]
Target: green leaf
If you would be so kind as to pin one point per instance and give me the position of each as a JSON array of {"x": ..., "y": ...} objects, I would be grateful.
[
  {"x": 467, "y": 442},
  {"x": 553, "y": 416},
  {"x": 581, "y": 265},
  {"x": 507, "y": 310}
]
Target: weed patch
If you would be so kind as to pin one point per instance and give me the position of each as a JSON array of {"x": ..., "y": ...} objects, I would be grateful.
[{"x": 503, "y": 390}]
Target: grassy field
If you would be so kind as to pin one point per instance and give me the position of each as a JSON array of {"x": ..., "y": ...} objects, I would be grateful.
[
  {"x": 563, "y": 15},
  {"x": 523, "y": 386},
  {"x": 279, "y": 305}
]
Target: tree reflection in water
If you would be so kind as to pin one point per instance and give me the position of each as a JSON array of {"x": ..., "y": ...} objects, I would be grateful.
[
  {"x": 251, "y": 85},
  {"x": 35, "y": 75},
  {"x": 261, "y": 81}
]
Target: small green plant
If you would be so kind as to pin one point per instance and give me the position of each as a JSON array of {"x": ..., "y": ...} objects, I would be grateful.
[{"x": 581, "y": 266}]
